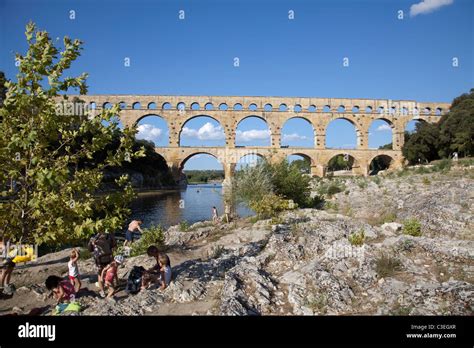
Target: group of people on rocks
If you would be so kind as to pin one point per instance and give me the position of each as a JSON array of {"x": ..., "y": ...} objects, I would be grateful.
[{"x": 102, "y": 247}]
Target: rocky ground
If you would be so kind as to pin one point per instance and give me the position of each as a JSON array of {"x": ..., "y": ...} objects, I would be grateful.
[{"x": 302, "y": 263}]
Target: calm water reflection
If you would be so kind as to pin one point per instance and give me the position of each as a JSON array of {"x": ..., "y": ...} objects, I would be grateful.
[{"x": 170, "y": 208}]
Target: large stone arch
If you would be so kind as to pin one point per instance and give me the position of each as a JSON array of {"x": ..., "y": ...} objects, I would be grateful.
[
  {"x": 304, "y": 155},
  {"x": 357, "y": 164},
  {"x": 384, "y": 157},
  {"x": 183, "y": 122},
  {"x": 199, "y": 152},
  {"x": 243, "y": 154},
  {"x": 391, "y": 124},
  {"x": 148, "y": 114},
  {"x": 137, "y": 119},
  {"x": 360, "y": 130},
  {"x": 274, "y": 142},
  {"x": 284, "y": 121},
  {"x": 419, "y": 119}
]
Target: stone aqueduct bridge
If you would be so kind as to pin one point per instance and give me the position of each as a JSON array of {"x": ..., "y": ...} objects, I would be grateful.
[{"x": 230, "y": 111}]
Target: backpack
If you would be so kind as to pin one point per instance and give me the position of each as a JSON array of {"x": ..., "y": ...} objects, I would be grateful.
[
  {"x": 134, "y": 281},
  {"x": 102, "y": 249}
]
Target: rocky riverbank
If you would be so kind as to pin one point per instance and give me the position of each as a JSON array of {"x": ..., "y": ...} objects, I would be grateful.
[{"x": 302, "y": 262}]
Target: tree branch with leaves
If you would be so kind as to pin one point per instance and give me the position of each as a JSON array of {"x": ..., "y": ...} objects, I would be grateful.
[{"x": 53, "y": 163}]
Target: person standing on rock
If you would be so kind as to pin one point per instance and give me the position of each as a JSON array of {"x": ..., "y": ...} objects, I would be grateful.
[
  {"x": 74, "y": 270},
  {"x": 102, "y": 245},
  {"x": 110, "y": 275},
  {"x": 7, "y": 267},
  {"x": 215, "y": 217},
  {"x": 132, "y": 228}
]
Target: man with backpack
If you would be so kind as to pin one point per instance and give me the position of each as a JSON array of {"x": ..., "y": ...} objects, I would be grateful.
[{"x": 102, "y": 245}]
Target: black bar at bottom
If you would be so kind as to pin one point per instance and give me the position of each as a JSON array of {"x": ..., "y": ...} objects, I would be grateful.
[{"x": 329, "y": 330}]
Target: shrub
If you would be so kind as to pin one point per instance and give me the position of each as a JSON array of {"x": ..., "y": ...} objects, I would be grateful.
[
  {"x": 389, "y": 217},
  {"x": 318, "y": 303},
  {"x": 314, "y": 202},
  {"x": 406, "y": 245},
  {"x": 252, "y": 184},
  {"x": 153, "y": 235},
  {"x": 376, "y": 180},
  {"x": 357, "y": 238},
  {"x": 253, "y": 219},
  {"x": 184, "y": 226},
  {"x": 426, "y": 181},
  {"x": 422, "y": 170},
  {"x": 386, "y": 266},
  {"x": 333, "y": 189},
  {"x": 270, "y": 205},
  {"x": 412, "y": 227},
  {"x": 216, "y": 252},
  {"x": 362, "y": 184},
  {"x": 331, "y": 206},
  {"x": 276, "y": 220},
  {"x": 443, "y": 165}
]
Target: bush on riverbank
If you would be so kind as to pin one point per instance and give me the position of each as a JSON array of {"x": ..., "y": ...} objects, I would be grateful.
[
  {"x": 270, "y": 205},
  {"x": 265, "y": 186},
  {"x": 153, "y": 235}
]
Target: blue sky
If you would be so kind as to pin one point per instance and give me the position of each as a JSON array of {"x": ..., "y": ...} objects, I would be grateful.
[{"x": 388, "y": 57}]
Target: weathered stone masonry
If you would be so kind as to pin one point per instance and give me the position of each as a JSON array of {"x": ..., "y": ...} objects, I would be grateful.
[{"x": 230, "y": 111}]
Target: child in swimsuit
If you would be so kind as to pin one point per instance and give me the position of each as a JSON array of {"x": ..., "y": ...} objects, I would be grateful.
[{"x": 109, "y": 274}]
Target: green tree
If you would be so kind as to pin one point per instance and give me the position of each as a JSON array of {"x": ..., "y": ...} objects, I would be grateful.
[
  {"x": 422, "y": 145},
  {"x": 456, "y": 128},
  {"x": 3, "y": 88},
  {"x": 453, "y": 133},
  {"x": 251, "y": 183},
  {"x": 254, "y": 184},
  {"x": 339, "y": 163},
  {"x": 50, "y": 172},
  {"x": 304, "y": 166},
  {"x": 289, "y": 182}
]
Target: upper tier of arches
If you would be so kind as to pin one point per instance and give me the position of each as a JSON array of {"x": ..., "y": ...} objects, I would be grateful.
[{"x": 271, "y": 104}]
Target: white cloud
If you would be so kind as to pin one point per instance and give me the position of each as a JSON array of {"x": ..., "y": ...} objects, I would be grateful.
[
  {"x": 252, "y": 134},
  {"x": 294, "y": 136},
  {"x": 383, "y": 127},
  {"x": 207, "y": 132},
  {"x": 149, "y": 132},
  {"x": 428, "y": 6}
]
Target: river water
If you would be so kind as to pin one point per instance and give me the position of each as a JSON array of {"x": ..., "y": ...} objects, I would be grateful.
[{"x": 170, "y": 208}]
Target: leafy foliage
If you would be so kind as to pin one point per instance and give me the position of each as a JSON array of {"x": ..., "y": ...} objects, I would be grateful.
[
  {"x": 3, "y": 88},
  {"x": 357, "y": 238},
  {"x": 339, "y": 163},
  {"x": 152, "y": 166},
  {"x": 50, "y": 172},
  {"x": 269, "y": 205},
  {"x": 453, "y": 133},
  {"x": 422, "y": 145},
  {"x": 153, "y": 235},
  {"x": 412, "y": 227},
  {"x": 184, "y": 226},
  {"x": 253, "y": 184},
  {"x": 289, "y": 182}
]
